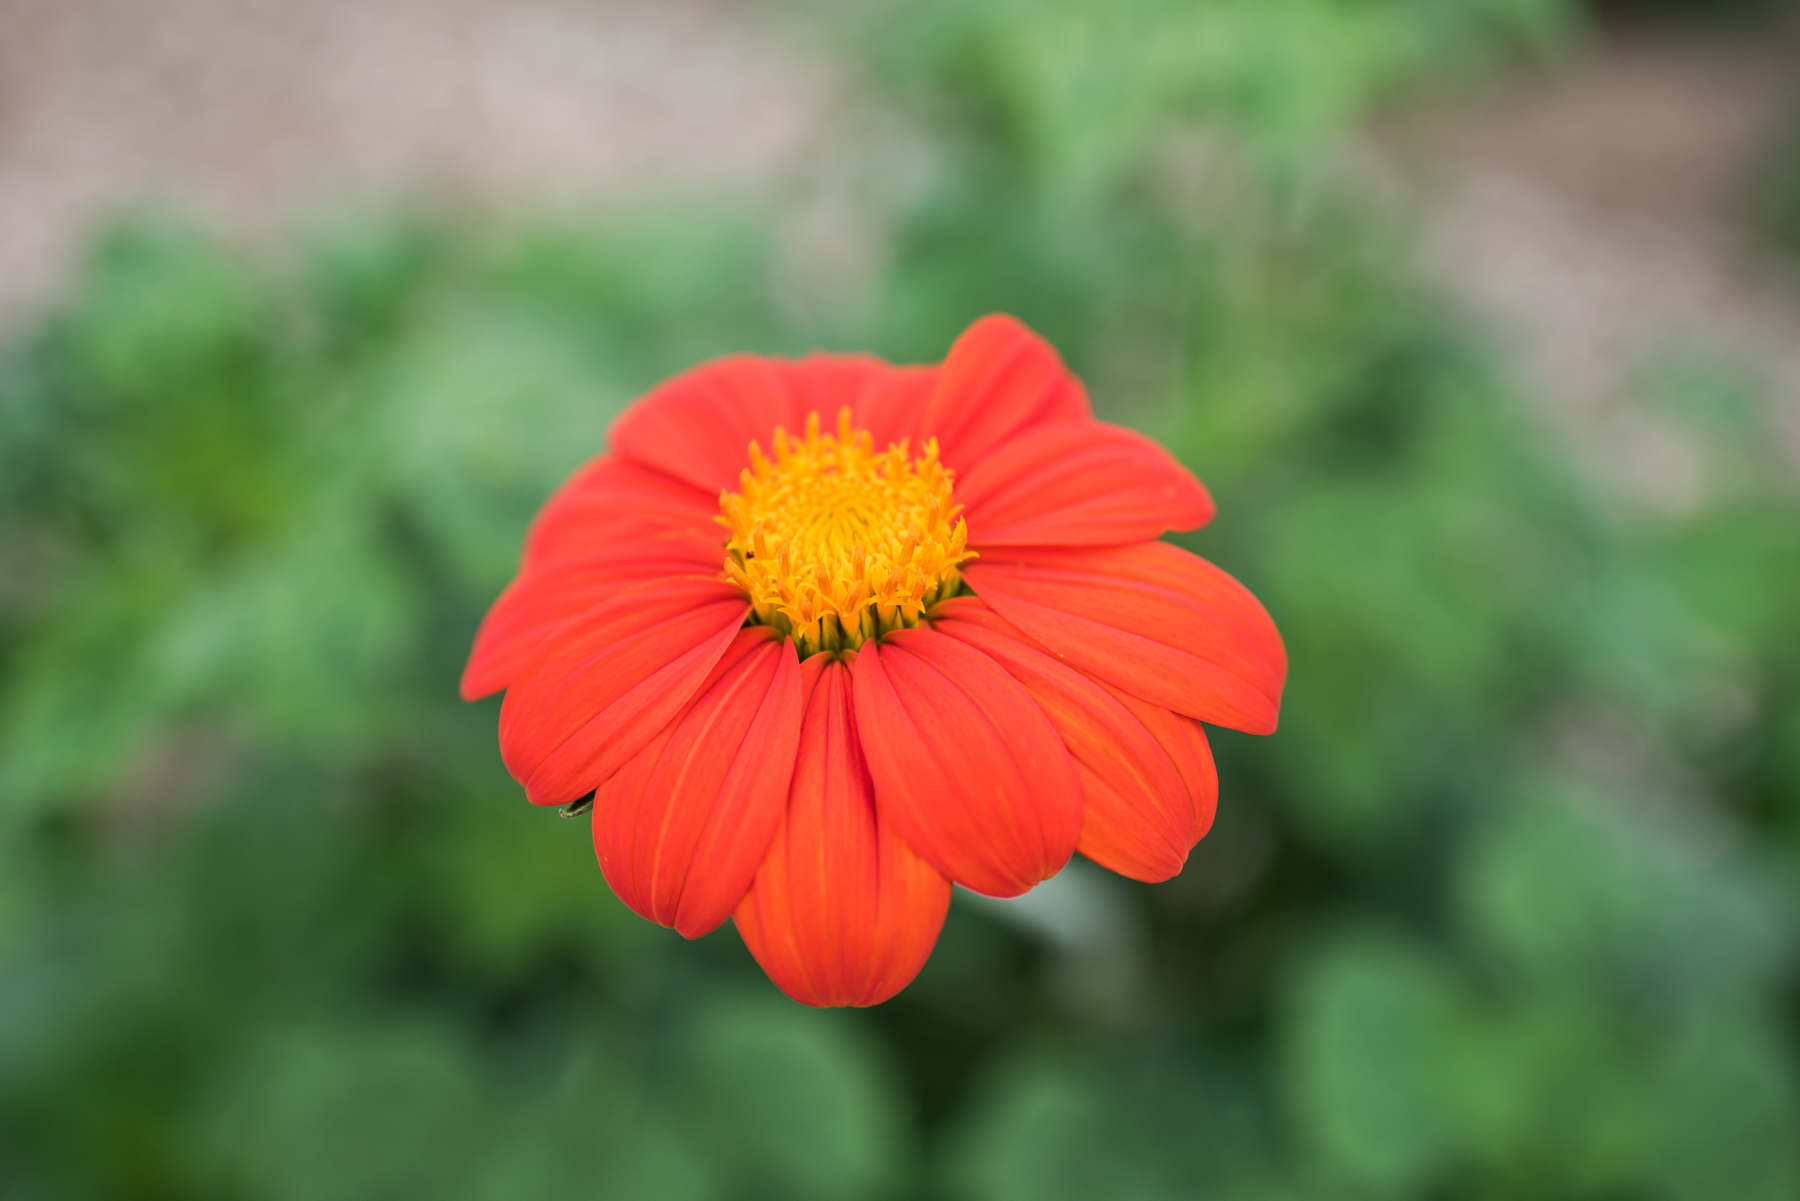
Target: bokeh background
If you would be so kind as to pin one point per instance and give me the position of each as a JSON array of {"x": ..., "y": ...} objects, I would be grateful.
[{"x": 1480, "y": 318}]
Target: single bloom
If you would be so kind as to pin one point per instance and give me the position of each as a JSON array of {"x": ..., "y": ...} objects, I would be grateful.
[{"x": 820, "y": 637}]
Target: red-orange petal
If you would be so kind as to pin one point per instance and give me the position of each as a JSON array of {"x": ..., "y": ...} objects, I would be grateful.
[
  {"x": 842, "y": 911},
  {"x": 889, "y": 404},
  {"x": 1138, "y": 815},
  {"x": 1183, "y": 739},
  {"x": 698, "y": 426},
  {"x": 553, "y": 591},
  {"x": 1151, "y": 619},
  {"x": 611, "y": 499},
  {"x": 593, "y": 697},
  {"x": 998, "y": 380},
  {"x": 966, "y": 766},
  {"x": 681, "y": 828},
  {"x": 1079, "y": 483}
]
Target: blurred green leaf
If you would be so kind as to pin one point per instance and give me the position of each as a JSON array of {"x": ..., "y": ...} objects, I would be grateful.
[
  {"x": 1573, "y": 891},
  {"x": 793, "y": 1103},
  {"x": 323, "y": 1114},
  {"x": 1370, "y": 1034}
]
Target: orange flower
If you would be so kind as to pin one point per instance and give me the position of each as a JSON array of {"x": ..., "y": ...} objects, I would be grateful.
[{"x": 822, "y": 636}]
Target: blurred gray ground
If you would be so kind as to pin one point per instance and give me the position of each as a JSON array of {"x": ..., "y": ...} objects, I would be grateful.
[
  {"x": 254, "y": 113},
  {"x": 1593, "y": 213},
  {"x": 1585, "y": 210}
]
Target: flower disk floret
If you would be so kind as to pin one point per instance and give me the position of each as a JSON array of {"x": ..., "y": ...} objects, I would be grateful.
[{"x": 835, "y": 543}]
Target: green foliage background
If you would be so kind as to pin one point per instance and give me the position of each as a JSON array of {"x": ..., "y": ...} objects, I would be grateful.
[{"x": 1506, "y": 910}]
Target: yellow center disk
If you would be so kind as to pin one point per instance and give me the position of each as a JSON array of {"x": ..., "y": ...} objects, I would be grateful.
[{"x": 836, "y": 544}]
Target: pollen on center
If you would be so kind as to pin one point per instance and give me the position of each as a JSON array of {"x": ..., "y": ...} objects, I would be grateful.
[{"x": 836, "y": 543}]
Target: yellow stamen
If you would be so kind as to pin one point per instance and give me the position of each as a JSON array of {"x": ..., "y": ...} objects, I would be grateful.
[{"x": 836, "y": 544}]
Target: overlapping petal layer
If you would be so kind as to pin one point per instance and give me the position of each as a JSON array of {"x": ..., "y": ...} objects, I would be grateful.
[
  {"x": 998, "y": 380},
  {"x": 1139, "y": 815},
  {"x": 593, "y": 697},
  {"x": 1107, "y": 839},
  {"x": 611, "y": 499},
  {"x": 1079, "y": 483},
  {"x": 965, "y": 764},
  {"x": 698, "y": 427},
  {"x": 1151, "y": 619},
  {"x": 842, "y": 912},
  {"x": 681, "y": 828},
  {"x": 559, "y": 589}
]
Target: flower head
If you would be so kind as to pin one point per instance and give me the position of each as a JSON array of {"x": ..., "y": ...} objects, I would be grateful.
[{"x": 822, "y": 636}]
